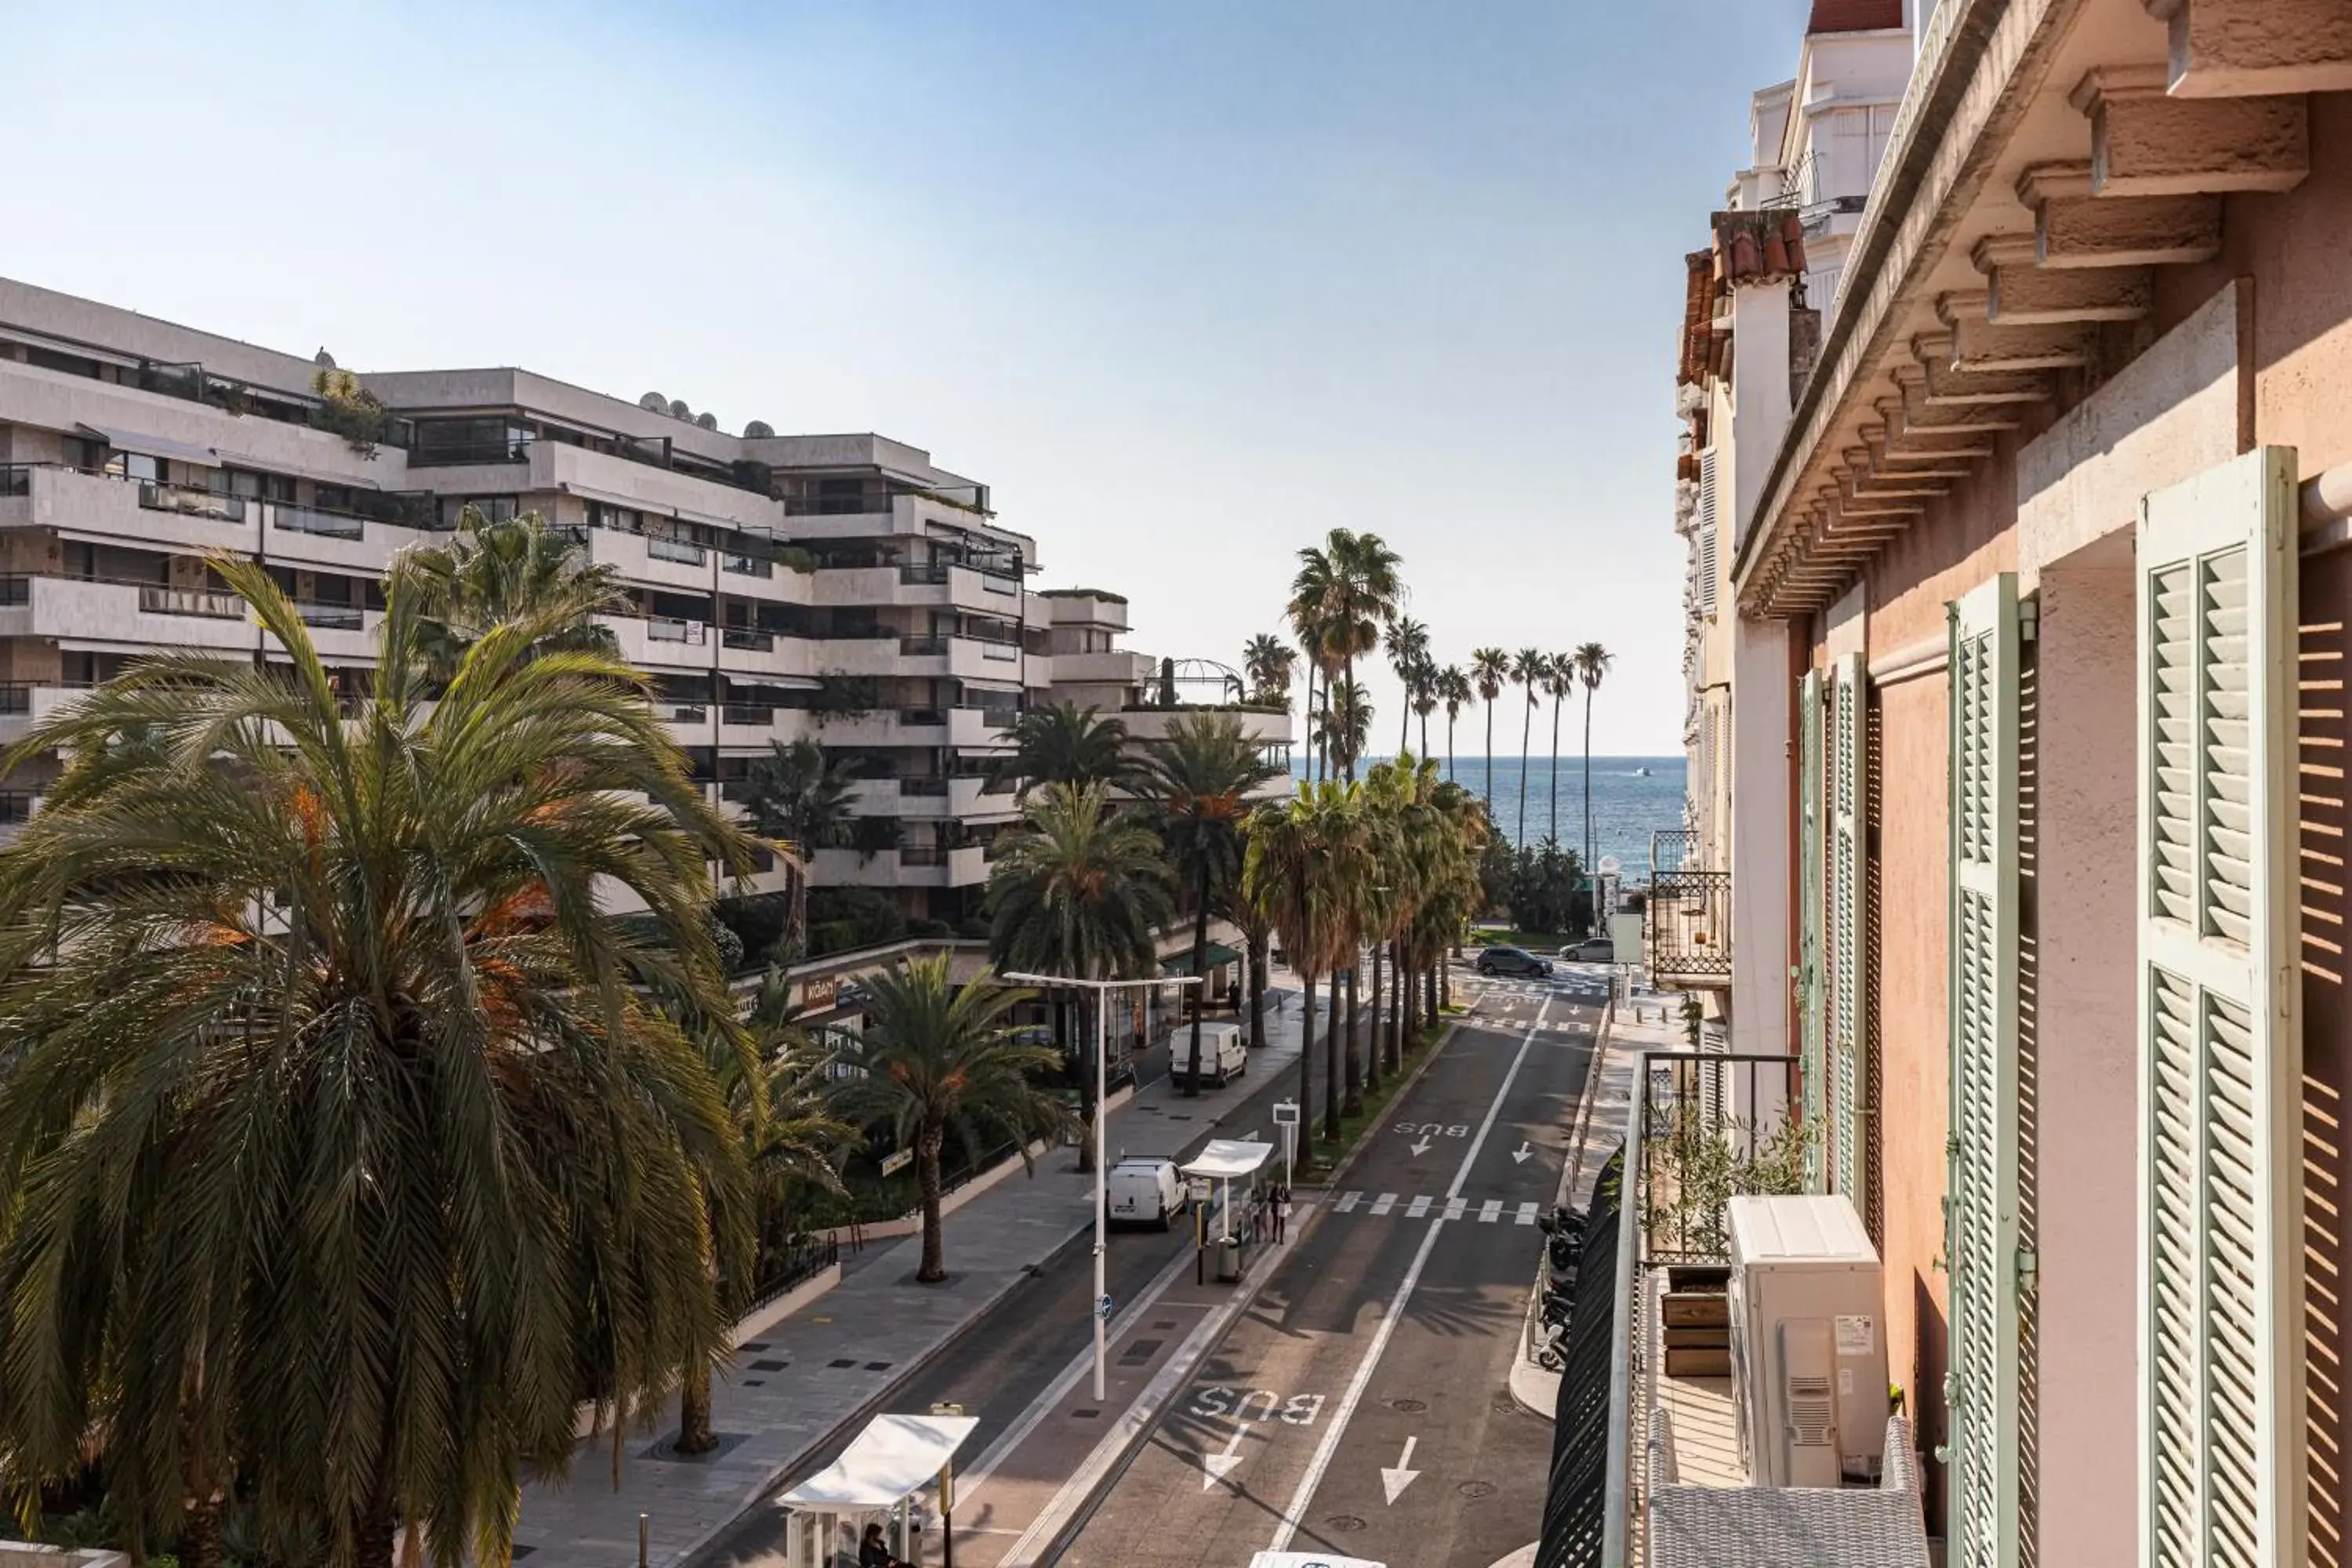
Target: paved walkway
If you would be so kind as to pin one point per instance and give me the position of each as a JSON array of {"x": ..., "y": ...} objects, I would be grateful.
[{"x": 837, "y": 1360}]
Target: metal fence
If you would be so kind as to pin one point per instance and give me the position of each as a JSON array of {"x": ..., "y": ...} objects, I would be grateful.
[
  {"x": 1576, "y": 1504},
  {"x": 802, "y": 1258}
]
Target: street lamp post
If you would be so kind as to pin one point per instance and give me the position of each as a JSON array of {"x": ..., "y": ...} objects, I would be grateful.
[{"x": 1102, "y": 988}]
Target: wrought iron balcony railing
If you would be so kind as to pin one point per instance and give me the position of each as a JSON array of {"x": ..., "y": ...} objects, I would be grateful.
[{"x": 1689, "y": 928}]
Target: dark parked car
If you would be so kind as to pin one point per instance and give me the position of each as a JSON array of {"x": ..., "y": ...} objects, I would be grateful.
[
  {"x": 1511, "y": 961},
  {"x": 1591, "y": 950}
]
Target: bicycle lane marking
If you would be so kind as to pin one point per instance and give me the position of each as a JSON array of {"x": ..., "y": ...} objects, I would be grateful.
[{"x": 1329, "y": 1446}]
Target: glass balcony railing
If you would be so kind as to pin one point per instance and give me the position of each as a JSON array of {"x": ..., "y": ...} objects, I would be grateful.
[
  {"x": 747, "y": 565},
  {"x": 191, "y": 502},
  {"x": 933, "y": 787},
  {"x": 932, "y": 573},
  {"x": 332, "y": 617},
  {"x": 689, "y": 714},
  {"x": 757, "y": 715},
  {"x": 158, "y": 601},
  {"x": 747, "y": 639},
  {"x": 677, "y": 549},
  {"x": 314, "y": 520},
  {"x": 922, "y": 647}
]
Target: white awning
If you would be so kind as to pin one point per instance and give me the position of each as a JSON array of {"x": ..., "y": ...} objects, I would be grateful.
[
  {"x": 155, "y": 445},
  {"x": 895, "y": 1458},
  {"x": 1228, "y": 1159}
]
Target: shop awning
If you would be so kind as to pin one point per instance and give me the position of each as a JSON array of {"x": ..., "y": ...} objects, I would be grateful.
[
  {"x": 895, "y": 1458},
  {"x": 1181, "y": 962},
  {"x": 1228, "y": 1159}
]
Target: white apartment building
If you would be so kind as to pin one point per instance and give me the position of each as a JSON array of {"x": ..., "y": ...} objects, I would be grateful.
[
  {"x": 843, "y": 588},
  {"x": 1757, "y": 297}
]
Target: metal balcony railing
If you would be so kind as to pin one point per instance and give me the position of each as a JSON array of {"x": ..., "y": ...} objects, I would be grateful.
[
  {"x": 1672, "y": 849},
  {"x": 677, "y": 549},
  {"x": 747, "y": 638},
  {"x": 187, "y": 502},
  {"x": 332, "y": 617},
  {"x": 747, "y": 565},
  {"x": 318, "y": 520},
  {"x": 1688, "y": 933},
  {"x": 190, "y": 602}
]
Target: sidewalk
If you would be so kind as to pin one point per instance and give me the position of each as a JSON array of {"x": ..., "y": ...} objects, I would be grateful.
[
  {"x": 1646, "y": 1022},
  {"x": 838, "y": 1359}
]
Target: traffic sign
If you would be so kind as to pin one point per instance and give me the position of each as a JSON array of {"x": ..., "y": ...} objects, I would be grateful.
[
  {"x": 897, "y": 1162},
  {"x": 1285, "y": 1113},
  {"x": 1200, "y": 1189},
  {"x": 1102, "y": 1306}
]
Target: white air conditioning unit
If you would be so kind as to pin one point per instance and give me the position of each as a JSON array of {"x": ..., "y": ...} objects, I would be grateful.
[{"x": 1808, "y": 1341}]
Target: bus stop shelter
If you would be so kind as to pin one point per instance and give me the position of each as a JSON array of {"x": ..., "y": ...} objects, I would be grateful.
[
  {"x": 1226, "y": 1160},
  {"x": 879, "y": 1479}
]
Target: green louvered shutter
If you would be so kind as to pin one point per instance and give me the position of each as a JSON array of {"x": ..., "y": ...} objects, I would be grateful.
[
  {"x": 2222, "y": 1446},
  {"x": 1813, "y": 1027},
  {"x": 1850, "y": 937},
  {"x": 1981, "y": 1385}
]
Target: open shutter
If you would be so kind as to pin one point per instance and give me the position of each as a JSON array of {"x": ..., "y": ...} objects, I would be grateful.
[
  {"x": 2222, "y": 1456},
  {"x": 1813, "y": 1027},
  {"x": 1705, "y": 532},
  {"x": 1981, "y": 1386},
  {"x": 1850, "y": 936}
]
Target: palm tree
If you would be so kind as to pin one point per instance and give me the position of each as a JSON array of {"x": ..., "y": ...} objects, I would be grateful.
[
  {"x": 1408, "y": 649},
  {"x": 937, "y": 1055},
  {"x": 1348, "y": 725},
  {"x": 1529, "y": 668},
  {"x": 1312, "y": 591},
  {"x": 1282, "y": 877},
  {"x": 1490, "y": 668},
  {"x": 1592, "y": 662},
  {"x": 1077, "y": 889},
  {"x": 1364, "y": 596},
  {"x": 1424, "y": 699},
  {"x": 798, "y": 797},
  {"x": 1201, "y": 778},
  {"x": 1454, "y": 689},
  {"x": 340, "y": 1137},
  {"x": 1061, "y": 743},
  {"x": 1558, "y": 681},
  {"x": 1267, "y": 660},
  {"x": 489, "y": 572}
]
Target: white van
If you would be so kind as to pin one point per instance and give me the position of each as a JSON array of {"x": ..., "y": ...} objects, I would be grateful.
[
  {"x": 1224, "y": 1056},
  {"x": 1145, "y": 1190}
]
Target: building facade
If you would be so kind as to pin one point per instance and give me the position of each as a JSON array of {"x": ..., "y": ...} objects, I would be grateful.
[
  {"x": 2050, "y": 568},
  {"x": 840, "y": 588}
]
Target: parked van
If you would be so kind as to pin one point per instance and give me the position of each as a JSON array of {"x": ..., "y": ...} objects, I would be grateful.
[
  {"x": 1144, "y": 1191},
  {"x": 1224, "y": 1056}
]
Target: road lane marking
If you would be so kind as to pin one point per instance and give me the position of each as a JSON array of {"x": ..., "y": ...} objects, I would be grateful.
[
  {"x": 1454, "y": 1207},
  {"x": 1418, "y": 1207},
  {"x": 1384, "y": 1203},
  {"x": 1348, "y": 1202},
  {"x": 1489, "y": 1211},
  {"x": 1329, "y": 1446},
  {"x": 1526, "y": 1215},
  {"x": 1395, "y": 1477}
]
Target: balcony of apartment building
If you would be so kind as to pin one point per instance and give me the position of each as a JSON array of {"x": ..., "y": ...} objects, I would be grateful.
[
  {"x": 875, "y": 506},
  {"x": 948, "y": 797},
  {"x": 134, "y": 611},
  {"x": 910, "y": 866},
  {"x": 880, "y": 577},
  {"x": 1683, "y": 1437},
  {"x": 1688, "y": 932}
]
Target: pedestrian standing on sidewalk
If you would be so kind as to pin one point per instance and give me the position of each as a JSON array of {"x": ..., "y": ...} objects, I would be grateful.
[{"x": 1281, "y": 1213}]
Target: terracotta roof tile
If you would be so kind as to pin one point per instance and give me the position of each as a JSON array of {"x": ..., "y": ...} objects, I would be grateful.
[{"x": 1854, "y": 15}]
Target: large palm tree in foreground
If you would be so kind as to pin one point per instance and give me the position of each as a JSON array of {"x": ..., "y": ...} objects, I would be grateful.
[
  {"x": 1592, "y": 662},
  {"x": 1201, "y": 778},
  {"x": 1077, "y": 889},
  {"x": 343, "y": 1150},
  {"x": 937, "y": 1055}
]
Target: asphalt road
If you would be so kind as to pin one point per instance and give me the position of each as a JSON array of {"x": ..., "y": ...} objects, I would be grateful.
[
  {"x": 1361, "y": 1406},
  {"x": 1016, "y": 1349}
]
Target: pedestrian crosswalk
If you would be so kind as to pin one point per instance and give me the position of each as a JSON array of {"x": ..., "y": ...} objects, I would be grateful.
[{"x": 1380, "y": 1205}]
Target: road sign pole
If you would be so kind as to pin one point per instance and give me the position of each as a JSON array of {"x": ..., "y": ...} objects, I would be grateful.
[{"x": 1102, "y": 1183}]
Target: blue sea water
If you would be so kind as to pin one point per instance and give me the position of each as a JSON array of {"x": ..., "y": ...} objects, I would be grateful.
[{"x": 1627, "y": 805}]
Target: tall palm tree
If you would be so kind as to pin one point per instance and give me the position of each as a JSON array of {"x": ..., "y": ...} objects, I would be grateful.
[
  {"x": 1282, "y": 876},
  {"x": 1592, "y": 662},
  {"x": 489, "y": 572},
  {"x": 1267, "y": 660},
  {"x": 1077, "y": 889},
  {"x": 937, "y": 1055},
  {"x": 1559, "y": 682},
  {"x": 1201, "y": 778},
  {"x": 1408, "y": 650},
  {"x": 1529, "y": 668},
  {"x": 799, "y": 798},
  {"x": 1490, "y": 669},
  {"x": 1312, "y": 592},
  {"x": 341, "y": 1136},
  {"x": 1424, "y": 699},
  {"x": 1348, "y": 725},
  {"x": 1063, "y": 744},
  {"x": 1454, "y": 689},
  {"x": 1365, "y": 596}
]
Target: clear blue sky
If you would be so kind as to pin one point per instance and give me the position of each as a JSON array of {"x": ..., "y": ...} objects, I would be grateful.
[{"x": 1188, "y": 283}]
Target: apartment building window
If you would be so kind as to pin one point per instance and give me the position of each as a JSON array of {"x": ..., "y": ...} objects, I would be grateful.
[
  {"x": 488, "y": 440},
  {"x": 620, "y": 518},
  {"x": 494, "y": 509},
  {"x": 251, "y": 486}
]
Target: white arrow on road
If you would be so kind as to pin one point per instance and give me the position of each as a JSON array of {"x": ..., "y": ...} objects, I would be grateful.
[
  {"x": 1394, "y": 1481},
  {"x": 1219, "y": 1466},
  {"x": 1521, "y": 1152},
  {"x": 1421, "y": 1148}
]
